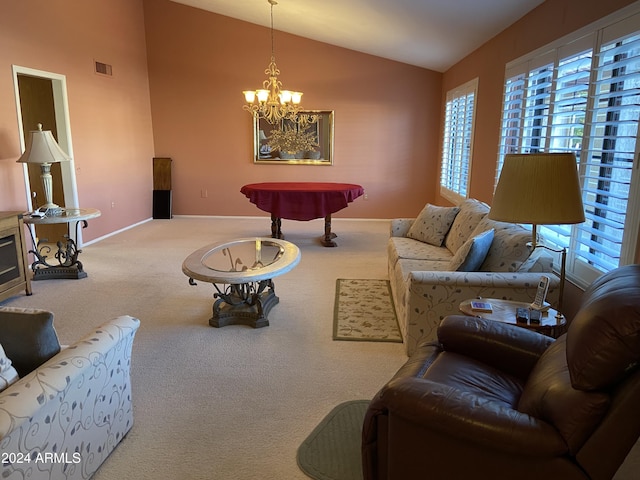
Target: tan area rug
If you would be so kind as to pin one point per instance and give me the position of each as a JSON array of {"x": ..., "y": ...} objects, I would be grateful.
[{"x": 364, "y": 311}]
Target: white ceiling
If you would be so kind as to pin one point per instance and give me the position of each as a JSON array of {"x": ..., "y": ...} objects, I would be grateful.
[{"x": 434, "y": 34}]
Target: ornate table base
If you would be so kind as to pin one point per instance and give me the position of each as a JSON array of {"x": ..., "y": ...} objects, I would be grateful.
[
  {"x": 68, "y": 266},
  {"x": 252, "y": 314},
  {"x": 243, "y": 304}
]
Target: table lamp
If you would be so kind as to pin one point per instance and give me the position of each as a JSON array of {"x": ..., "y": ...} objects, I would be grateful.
[
  {"x": 43, "y": 149},
  {"x": 540, "y": 189}
]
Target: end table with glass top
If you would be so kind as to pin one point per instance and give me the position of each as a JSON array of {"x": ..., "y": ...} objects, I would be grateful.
[
  {"x": 246, "y": 267},
  {"x": 551, "y": 324},
  {"x": 67, "y": 264}
]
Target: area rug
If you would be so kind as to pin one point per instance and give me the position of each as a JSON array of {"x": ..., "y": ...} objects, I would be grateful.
[
  {"x": 364, "y": 311},
  {"x": 332, "y": 449}
]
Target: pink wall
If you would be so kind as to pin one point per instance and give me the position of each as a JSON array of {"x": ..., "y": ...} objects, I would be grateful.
[
  {"x": 110, "y": 117},
  {"x": 550, "y": 21},
  {"x": 386, "y": 113}
]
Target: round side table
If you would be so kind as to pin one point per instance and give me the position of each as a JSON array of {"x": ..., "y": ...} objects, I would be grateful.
[{"x": 505, "y": 311}]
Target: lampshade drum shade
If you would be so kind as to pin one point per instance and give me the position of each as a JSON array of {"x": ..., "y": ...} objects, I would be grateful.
[
  {"x": 539, "y": 189},
  {"x": 43, "y": 148}
]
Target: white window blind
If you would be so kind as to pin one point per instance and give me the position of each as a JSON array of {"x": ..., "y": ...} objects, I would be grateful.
[
  {"x": 585, "y": 100},
  {"x": 458, "y": 139}
]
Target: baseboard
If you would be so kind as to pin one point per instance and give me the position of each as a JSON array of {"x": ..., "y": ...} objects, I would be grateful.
[{"x": 96, "y": 240}]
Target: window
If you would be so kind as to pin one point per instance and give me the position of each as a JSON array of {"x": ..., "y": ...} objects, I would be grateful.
[
  {"x": 458, "y": 139},
  {"x": 583, "y": 96}
]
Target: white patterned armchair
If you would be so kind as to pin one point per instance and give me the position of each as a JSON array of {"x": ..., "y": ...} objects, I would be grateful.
[
  {"x": 425, "y": 283},
  {"x": 63, "y": 419}
]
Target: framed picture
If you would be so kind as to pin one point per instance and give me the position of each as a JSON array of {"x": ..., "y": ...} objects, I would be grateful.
[{"x": 306, "y": 140}]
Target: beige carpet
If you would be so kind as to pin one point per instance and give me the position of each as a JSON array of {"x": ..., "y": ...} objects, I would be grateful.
[{"x": 229, "y": 403}]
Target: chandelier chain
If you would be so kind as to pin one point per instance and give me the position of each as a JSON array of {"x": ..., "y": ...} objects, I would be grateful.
[{"x": 273, "y": 48}]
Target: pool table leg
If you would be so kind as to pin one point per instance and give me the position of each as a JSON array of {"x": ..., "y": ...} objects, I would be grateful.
[
  {"x": 276, "y": 227},
  {"x": 328, "y": 236}
]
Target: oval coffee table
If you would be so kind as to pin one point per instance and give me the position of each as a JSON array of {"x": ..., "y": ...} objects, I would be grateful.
[{"x": 246, "y": 267}]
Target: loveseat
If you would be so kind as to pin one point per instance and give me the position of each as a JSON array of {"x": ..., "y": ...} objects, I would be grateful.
[
  {"x": 64, "y": 418},
  {"x": 449, "y": 254}
]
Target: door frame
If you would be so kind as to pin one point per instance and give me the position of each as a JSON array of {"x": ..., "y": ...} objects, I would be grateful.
[{"x": 61, "y": 108}]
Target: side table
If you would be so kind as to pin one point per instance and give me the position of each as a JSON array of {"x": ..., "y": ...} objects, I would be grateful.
[
  {"x": 505, "y": 311},
  {"x": 68, "y": 265}
]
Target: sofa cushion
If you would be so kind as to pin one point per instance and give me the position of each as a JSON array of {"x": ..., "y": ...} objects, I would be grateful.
[
  {"x": 8, "y": 374},
  {"x": 403, "y": 247},
  {"x": 549, "y": 395},
  {"x": 603, "y": 340},
  {"x": 432, "y": 224},
  {"x": 470, "y": 214},
  {"x": 28, "y": 337},
  {"x": 470, "y": 256},
  {"x": 509, "y": 248}
]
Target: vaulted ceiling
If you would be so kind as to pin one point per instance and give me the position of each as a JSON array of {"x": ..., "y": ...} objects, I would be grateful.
[{"x": 433, "y": 34}]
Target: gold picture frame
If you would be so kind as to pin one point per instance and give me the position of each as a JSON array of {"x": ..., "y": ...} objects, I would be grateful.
[{"x": 313, "y": 129}]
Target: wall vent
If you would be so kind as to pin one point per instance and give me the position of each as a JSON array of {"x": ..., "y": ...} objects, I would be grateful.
[{"x": 104, "y": 69}]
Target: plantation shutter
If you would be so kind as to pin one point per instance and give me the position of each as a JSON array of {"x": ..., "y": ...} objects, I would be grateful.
[
  {"x": 457, "y": 141},
  {"x": 609, "y": 165},
  {"x": 568, "y": 112}
]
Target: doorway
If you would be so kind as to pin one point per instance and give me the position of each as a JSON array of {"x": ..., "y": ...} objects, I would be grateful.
[{"x": 41, "y": 97}]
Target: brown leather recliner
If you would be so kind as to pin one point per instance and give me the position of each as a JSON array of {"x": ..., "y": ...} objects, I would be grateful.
[{"x": 496, "y": 401}]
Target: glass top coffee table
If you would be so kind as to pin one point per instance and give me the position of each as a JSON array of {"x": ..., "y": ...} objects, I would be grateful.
[{"x": 245, "y": 268}]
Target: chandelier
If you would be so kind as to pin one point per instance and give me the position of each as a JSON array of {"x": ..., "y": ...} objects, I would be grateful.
[{"x": 274, "y": 103}]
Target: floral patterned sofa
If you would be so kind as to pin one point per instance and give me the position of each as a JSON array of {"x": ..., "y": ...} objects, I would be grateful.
[
  {"x": 450, "y": 254},
  {"x": 63, "y": 419}
]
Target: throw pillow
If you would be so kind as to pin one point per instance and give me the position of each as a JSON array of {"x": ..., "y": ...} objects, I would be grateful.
[
  {"x": 470, "y": 256},
  {"x": 433, "y": 224},
  {"x": 8, "y": 374},
  {"x": 28, "y": 337}
]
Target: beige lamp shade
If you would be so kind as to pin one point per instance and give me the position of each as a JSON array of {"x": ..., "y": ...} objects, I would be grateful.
[
  {"x": 538, "y": 188},
  {"x": 43, "y": 148}
]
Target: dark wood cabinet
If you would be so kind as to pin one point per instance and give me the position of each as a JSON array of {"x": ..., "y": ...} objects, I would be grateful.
[
  {"x": 14, "y": 269},
  {"x": 162, "y": 188}
]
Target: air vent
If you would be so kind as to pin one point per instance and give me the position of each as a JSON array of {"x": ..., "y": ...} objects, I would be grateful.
[{"x": 104, "y": 69}]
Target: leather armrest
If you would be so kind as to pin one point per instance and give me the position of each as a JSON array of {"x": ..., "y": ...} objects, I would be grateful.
[
  {"x": 465, "y": 416},
  {"x": 508, "y": 347}
]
